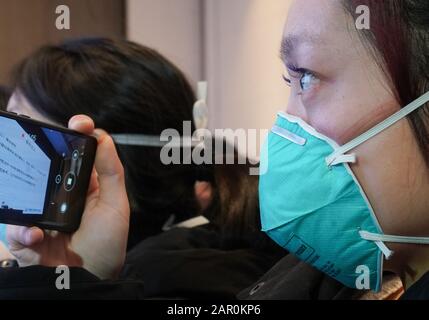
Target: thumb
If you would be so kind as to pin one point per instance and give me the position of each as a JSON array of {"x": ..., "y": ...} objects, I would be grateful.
[
  {"x": 19, "y": 237},
  {"x": 110, "y": 173}
]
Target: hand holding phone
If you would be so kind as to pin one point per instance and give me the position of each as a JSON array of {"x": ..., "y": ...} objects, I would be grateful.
[
  {"x": 99, "y": 245},
  {"x": 44, "y": 173}
]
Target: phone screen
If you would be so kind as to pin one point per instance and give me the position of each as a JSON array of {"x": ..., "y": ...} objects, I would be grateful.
[{"x": 44, "y": 173}]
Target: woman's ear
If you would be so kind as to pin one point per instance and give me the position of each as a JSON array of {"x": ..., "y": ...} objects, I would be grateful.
[{"x": 203, "y": 194}]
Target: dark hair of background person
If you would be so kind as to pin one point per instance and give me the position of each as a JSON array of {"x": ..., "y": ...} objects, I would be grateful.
[
  {"x": 399, "y": 40},
  {"x": 5, "y": 94},
  {"x": 128, "y": 88}
]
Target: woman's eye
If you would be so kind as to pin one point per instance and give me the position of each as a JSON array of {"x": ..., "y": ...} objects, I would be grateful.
[
  {"x": 308, "y": 80},
  {"x": 300, "y": 78},
  {"x": 287, "y": 80}
]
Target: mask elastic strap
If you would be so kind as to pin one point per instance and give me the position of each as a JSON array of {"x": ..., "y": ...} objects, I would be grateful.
[
  {"x": 188, "y": 224},
  {"x": 200, "y": 110},
  {"x": 379, "y": 240},
  {"x": 142, "y": 140},
  {"x": 333, "y": 159},
  {"x": 200, "y": 115}
]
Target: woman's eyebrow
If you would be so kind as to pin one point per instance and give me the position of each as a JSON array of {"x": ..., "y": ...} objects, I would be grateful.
[{"x": 291, "y": 42}]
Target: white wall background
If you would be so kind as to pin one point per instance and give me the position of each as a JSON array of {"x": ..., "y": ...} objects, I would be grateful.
[{"x": 234, "y": 44}]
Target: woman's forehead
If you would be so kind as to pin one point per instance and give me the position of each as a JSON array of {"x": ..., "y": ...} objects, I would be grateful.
[
  {"x": 321, "y": 29},
  {"x": 316, "y": 22}
]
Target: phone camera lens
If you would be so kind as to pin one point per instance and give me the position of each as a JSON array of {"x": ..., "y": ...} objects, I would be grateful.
[
  {"x": 75, "y": 155},
  {"x": 63, "y": 208}
]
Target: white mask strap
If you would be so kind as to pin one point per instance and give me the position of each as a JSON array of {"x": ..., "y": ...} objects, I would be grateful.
[
  {"x": 379, "y": 240},
  {"x": 142, "y": 140},
  {"x": 188, "y": 224},
  {"x": 378, "y": 128},
  {"x": 138, "y": 140},
  {"x": 200, "y": 114}
]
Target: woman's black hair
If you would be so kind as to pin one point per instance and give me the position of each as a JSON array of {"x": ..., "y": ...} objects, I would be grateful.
[
  {"x": 129, "y": 88},
  {"x": 5, "y": 94},
  {"x": 398, "y": 38}
]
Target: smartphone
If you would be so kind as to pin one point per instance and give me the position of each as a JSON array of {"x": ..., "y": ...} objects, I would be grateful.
[{"x": 44, "y": 173}]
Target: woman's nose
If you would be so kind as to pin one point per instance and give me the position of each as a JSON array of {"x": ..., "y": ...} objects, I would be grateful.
[{"x": 295, "y": 108}]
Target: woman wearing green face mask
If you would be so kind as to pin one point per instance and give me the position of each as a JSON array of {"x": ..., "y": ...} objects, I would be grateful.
[
  {"x": 347, "y": 183},
  {"x": 345, "y": 81}
]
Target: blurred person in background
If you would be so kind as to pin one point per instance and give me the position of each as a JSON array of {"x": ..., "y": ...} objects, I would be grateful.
[{"x": 130, "y": 89}]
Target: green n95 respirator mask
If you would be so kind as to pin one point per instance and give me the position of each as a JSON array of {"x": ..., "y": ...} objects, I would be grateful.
[{"x": 313, "y": 205}]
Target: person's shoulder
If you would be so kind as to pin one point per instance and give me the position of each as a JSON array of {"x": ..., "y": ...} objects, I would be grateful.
[
  {"x": 419, "y": 290},
  {"x": 38, "y": 282},
  {"x": 292, "y": 279},
  {"x": 178, "y": 239}
]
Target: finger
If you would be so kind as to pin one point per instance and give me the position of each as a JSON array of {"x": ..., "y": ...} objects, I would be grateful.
[
  {"x": 82, "y": 123},
  {"x": 23, "y": 236},
  {"x": 110, "y": 174},
  {"x": 93, "y": 189},
  {"x": 93, "y": 182}
]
